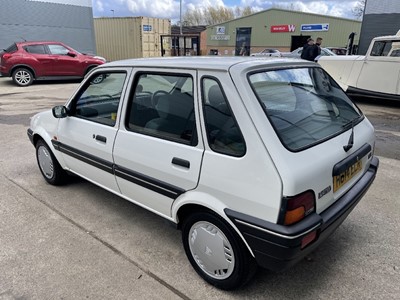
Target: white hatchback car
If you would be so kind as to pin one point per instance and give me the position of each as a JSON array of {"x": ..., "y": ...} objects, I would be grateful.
[{"x": 257, "y": 161}]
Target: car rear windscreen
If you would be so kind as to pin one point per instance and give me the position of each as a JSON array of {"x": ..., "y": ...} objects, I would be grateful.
[{"x": 304, "y": 105}]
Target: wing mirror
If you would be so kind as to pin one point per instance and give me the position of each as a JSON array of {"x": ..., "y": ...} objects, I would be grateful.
[
  {"x": 59, "y": 112},
  {"x": 72, "y": 54}
]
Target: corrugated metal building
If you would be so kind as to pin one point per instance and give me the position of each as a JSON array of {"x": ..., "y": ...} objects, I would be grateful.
[
  {"x": 285, "y": 30},
  {"x": 381, "y": 17},
  {"x": 130, "y": 37},
  {"x": 67, "y": 21}
]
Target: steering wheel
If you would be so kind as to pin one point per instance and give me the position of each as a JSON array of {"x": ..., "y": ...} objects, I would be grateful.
[{"x": 156, "y": 95}]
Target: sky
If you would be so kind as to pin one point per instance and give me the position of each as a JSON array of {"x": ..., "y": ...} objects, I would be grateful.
[{"x": 170, "y": 8}]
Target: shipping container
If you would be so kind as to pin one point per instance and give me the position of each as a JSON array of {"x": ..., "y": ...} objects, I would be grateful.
[{"x": 130, "y": 37}]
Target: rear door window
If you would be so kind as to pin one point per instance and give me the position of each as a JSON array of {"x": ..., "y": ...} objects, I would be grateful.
[
  {"x": 35, "y": 49},
  {"x": 163, "y": 106},
  {"x": 223, "y": 133},
  {"x": 304, "y": 105}
]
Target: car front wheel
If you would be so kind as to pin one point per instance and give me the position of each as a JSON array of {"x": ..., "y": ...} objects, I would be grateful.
[
  {"x": 48, "y": 165},
  {"x": 216, "y": 252},
  {"x": 22, "y": 77}
]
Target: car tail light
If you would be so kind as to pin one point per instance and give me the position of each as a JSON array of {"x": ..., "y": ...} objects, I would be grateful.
[
  {"x": 298, "y": 207},
  {"x": 5, "y": 56}
]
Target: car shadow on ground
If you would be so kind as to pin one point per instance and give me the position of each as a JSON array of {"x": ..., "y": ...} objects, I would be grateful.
[{"x": 8, "y": 82}]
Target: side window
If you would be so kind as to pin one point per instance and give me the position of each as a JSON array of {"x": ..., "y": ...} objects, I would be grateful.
[
  {"x": 162, "y": 105},
  {"x": 58, "y": 49},
  {"x": 382, "y": 48},
  {"x": 99, "y": 98},
  {"x": 35, "y": 49},
  {"x": 223, "y": 132}
]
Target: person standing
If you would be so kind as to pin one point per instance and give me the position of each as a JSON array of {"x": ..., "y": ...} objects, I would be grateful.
[
  {"x": 318, "y": 43},
  {"x": 312, "y": 51},
  {"x": 306, "y": 53}
]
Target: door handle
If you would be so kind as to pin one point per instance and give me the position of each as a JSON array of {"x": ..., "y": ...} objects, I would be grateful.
[
  {"x": 100, "y": 138},
  {"x": 181, "y": 162}
]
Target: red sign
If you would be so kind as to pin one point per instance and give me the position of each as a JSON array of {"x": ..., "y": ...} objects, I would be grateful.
[{"x": 283, "y": 28}]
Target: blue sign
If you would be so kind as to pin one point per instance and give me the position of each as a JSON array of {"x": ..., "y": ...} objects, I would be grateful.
[
  {"x": 314, "y": 27},
  {"x": 147, "y": 28}
]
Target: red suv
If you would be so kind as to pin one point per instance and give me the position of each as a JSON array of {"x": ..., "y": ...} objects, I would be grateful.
[{"x": 28, "y": 61}]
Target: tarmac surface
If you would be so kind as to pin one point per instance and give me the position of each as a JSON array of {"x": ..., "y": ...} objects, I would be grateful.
[{"x": 81, "y": 242}]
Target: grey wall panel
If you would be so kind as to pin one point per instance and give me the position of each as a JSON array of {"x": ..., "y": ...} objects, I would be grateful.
[
  {"x": 382, "y": 7},
  {"x": 34, "y": 20},
  {"x": 377, "y": 25}
]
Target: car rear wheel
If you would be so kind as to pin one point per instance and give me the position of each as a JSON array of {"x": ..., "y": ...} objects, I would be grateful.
[
  {"x": 48, "y": 165},
  {"x": 216, "y": 252},
  {"x": 22, "y": 77}
]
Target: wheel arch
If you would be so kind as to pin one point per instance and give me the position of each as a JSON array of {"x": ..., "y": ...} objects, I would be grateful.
[
  {"x": 89, "y": 69},
  {"x": 43, "y": 135},
  {"x": 186, "y": 205},
  {"x": 25, "y": 67}
]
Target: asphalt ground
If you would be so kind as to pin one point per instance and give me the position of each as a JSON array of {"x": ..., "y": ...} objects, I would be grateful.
[{"x": 81, "y": 242}]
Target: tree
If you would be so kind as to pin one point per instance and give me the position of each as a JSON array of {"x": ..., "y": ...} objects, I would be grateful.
[
  {"x": 213, "y": 15},
  {"x": 358, "y": 10}
]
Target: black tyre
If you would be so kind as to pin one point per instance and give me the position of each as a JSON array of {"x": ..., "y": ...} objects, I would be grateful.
[
  {"x": 98, "y": 79},
  {"x": 216, "y": 252},
  {"x": 48, "y": 165},
  {"x": 22, "y": 77}
]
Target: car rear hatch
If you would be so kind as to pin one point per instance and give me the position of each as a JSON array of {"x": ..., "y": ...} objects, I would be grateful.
[
  {"x": 6, "y": 53},
  {"x": 319, "y": 140}
]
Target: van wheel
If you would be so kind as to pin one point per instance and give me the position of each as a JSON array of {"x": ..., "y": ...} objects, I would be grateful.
[
  {"x": 22, "y": 77},
  {"x": 216, "y": 252},
  {"x": 48, "y": 165}
]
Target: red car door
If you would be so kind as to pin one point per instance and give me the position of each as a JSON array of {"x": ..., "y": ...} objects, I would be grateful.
[
  {"x": 38, "y": 59},
  {"x": 65, "y": 61}
]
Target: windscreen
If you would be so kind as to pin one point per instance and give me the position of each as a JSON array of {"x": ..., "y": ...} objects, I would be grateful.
[{"x": 304, "y": 105}]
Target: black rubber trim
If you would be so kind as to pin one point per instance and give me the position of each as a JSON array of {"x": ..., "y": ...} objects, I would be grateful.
[
  {"x": 346, "y": 163},
  {"x": 84, "y": 156},
  {"x": 155, "y": 185},
  {"x": 278, "y": 247},
  {"x": 30, "y": 134},
  {"x": 356, "y": 92},
  {"x": 150, "y": 183}
]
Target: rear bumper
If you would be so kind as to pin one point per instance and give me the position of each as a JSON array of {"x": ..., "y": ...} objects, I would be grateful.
[
  {"x": 278, "y": 247},
  {"x": 4, "y": 71}
]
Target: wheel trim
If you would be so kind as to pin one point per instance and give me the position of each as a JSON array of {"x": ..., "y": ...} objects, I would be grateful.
[
  {"x": 98, "y": 79},
  {"x": 22, "y": 77},
  {"x": 45, "y": 162},
  {"x": 211, "y": 250}
]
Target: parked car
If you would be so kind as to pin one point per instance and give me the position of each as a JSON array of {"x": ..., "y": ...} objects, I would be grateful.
[
  {"x": 29, "y": 61},
  {"x": 268, "y": 52},
  {"x": 374, "y": 75},
  {"x": 256, "y": 161},
  {"x": 338, "y": 50},
  {"x": 297, "y": 53}
]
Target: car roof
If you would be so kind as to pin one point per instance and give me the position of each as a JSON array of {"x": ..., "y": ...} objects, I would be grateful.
[
  {"x": 387, "y": 37},
  {"x": 26, "y": 43},
  {"x": 206, "y": 62}
]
